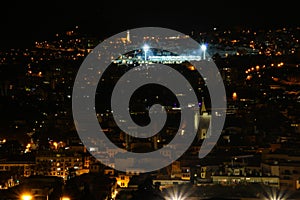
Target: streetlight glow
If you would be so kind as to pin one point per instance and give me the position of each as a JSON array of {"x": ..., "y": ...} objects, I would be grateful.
[
  {"x": 274, "y": 194},
  {"x": 26, "y": 197},
  {"x": 65, "y": 198},
  {"x": 177, "y": 193}
]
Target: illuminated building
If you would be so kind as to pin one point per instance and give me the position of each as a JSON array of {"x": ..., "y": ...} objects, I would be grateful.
[
  {"x": 123, "y": 180},
  {"x": 25, "y": 167},
  {"x": 59, "y": 164}
]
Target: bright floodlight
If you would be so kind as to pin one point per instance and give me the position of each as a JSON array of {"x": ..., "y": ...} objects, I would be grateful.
[
  {"x": 146, "y": 48},
  {"x": 203, "y": 48},
  {"x": 177, "y": 194},
  {"x": 26, "y": 197}
]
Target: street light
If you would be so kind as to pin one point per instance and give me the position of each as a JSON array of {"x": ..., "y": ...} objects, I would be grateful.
[
  {"x": 146, "y": 49},
  {"x": 203, "y": 48},
  {"x": 177, "y": 194},
  {"x": 65, "y": 198},
  {"x": 26, "y": 197}
]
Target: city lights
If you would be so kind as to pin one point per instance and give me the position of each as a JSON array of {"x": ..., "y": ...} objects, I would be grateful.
[{"x": 257, "y": 156}]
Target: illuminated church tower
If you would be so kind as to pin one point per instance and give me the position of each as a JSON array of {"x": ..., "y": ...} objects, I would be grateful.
[
  {"x": 203, "y": 108},
  {"x": 128, "y": 36},
  {"x": 202, "y": 122}
]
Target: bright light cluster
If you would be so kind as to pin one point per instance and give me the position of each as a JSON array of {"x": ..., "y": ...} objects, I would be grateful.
[
  {"x": 26, "y": 197},
  {"x": 177, "y": 194}
]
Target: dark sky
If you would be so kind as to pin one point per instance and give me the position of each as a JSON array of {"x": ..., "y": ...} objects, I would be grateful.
[{"x": 25, "y": 21}]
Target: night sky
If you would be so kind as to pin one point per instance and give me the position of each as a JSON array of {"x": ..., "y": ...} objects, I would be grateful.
[{"x": 23, "y": 22}]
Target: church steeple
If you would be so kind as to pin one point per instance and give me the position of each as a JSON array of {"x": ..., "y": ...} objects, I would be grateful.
[
  {"x": 128, "y": 36},
  {"x": 203, "y": 108}
]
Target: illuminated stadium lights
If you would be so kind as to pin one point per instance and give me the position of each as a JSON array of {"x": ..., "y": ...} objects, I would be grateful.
[
  {"x": 174, "y": 58},
  {"x": 203, "y": 48},
  {"x": 146, "y": 49}
]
